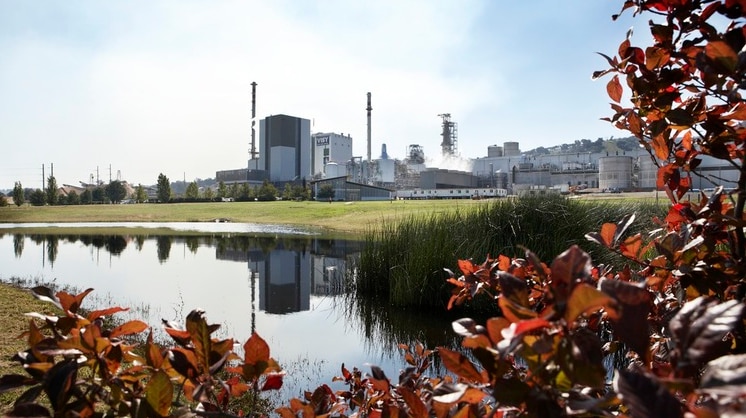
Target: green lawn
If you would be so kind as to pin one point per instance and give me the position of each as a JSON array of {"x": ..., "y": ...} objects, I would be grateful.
[{"x": 336, "y": 217}]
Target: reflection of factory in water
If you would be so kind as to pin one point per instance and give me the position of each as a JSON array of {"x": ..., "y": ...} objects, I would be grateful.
[{"x": 286, "y": 277}]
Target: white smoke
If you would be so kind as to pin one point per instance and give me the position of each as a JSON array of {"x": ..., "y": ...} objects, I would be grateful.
[{"x": 449, "y": 162}]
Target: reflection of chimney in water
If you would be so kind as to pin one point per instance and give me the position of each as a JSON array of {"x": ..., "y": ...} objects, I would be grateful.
[{"x": 369, "y": 108}]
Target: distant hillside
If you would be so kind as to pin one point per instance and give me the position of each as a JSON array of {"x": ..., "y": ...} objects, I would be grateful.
[{"x": 611, "y": 145}]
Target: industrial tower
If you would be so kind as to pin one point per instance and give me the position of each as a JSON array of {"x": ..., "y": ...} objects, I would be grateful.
[{"x": 449, "y": 146}]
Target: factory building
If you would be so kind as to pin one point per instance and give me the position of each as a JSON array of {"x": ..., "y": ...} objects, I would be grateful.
[
  {"x": 329, "y": 148},
  {"x": 284, "y": 148}
]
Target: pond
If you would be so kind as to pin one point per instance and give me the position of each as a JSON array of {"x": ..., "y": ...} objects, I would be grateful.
[{"x": 289, "y": 286}]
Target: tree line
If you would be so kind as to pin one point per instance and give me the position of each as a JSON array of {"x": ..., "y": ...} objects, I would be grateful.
[{"x": 116, "y": 192}]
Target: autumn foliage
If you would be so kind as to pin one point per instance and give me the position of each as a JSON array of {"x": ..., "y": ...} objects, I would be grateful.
[{"x": 673, "y": 312}]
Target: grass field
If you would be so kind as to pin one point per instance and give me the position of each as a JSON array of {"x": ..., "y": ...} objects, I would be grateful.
[{"x": 352, "y": 217}]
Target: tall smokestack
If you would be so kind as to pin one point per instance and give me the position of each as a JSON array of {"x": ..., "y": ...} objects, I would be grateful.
[
  {"x": 253, "y": 152},
  {"x": 369, "y": 108}
]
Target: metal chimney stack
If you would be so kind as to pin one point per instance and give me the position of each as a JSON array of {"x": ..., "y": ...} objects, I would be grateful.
[
  {"x": 369, "y": 108},
  {"x": 253, "y": 121}
]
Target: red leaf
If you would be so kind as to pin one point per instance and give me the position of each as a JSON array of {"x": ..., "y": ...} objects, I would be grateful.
[
  {"x": 273, "y": 382},
  {"x": 72, "y": 303},
  {"x": 104, "y": 312}
]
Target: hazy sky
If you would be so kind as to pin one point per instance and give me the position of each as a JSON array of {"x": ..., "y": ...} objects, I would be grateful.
[{"x": 155, "y": 86}]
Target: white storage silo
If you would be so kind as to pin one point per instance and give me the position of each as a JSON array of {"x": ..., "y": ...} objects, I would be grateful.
[
  {"x": 335, "y": 170},
  {"x": 511, "y": 149},
  {"x": 615, "y": 172},
  {"x": 648, "y": 172},
  {"x": 494, "y": 151}
]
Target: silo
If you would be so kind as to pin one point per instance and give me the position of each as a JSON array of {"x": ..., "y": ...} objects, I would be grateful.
[
  {"x": 648, "y": 172},
  {"x": 501, "y": 180},
  {"x": 494, "y": 151},
  {"x": 615, "y": 172},
  {"x": 510, "y": 149},
  {"x": 335, "y": 170},
  {"x": 386, "y": 170}
]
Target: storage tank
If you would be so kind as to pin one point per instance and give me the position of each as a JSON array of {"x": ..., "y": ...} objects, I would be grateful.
[
  {"x": 501, "y": 180},
  {"x": 615, "y": 172},
  {"x": 648, "y": 172},
  {"x": 335, "y": 170},
  {"x": 510, "y": 149},
  {"x": 494, "y": 151},
  {"x": 387, "y": 170}
]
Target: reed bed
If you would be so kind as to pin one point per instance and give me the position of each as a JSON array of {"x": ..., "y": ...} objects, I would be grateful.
[{"x": 402, "y": 263}]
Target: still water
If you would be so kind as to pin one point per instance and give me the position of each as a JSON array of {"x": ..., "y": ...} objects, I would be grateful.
[{"x": 288, "y": 286}]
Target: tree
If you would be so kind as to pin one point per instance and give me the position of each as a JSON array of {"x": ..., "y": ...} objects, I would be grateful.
[
  {"x": 52, "y": 192},
  {"x": 38, "y": 197},
  {"x": 685, "y": 93},
  {"x": 115, "y": 191},
  {"x": 208, "y": 193},
  {"x": 164, "y": 188},
  {"x": 72, "y": 198},
  {"x": 267, "y": 192},
  {"x": 222, "y": 190},
  {"x": 3, "y": 200},
  {"x": 86, "y": 198},
  {"x": 244, "y": 193},
  {"x": 18, "y": 194},
  {"x": 192, "y": 191},
  {"x": 326, "y": 192},
  {"x": 233, "y": 191},
  {"x": 287, "y": 192},
  {"x": 140, "y": 194},
  {"x": 98, "y": 194}
]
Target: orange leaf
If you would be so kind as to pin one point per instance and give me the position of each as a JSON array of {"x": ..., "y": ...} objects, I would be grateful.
[
  {"x": 631, "y": 246},
  {"x": 514, "y": 312},
  {"x": 460, "y": 365},
  {"x": 494, "y": 328},
  {"x": 660, "y": 146},
  {"x": 614, "y": 89},
  {"x": 607, "y": 233},
  {"x": 417, "y": 408},
  {"x": 585, "y": 298},
  {"x": 131, "y": 327},
  {"x": 255, "y": 349}
]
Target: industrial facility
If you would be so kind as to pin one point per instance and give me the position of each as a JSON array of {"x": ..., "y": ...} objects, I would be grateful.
[{"x": 287, "y": 151}]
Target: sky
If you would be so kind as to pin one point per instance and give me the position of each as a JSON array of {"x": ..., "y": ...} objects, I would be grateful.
[{"x": 131, "y": 89}]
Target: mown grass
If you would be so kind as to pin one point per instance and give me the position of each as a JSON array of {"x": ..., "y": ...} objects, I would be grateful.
[
  {"x": 355, "y": 217},
  {"x": 403, "y": 263}
]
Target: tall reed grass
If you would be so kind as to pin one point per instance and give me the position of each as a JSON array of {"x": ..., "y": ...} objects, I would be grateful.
[{"x": 402, "y": 263}]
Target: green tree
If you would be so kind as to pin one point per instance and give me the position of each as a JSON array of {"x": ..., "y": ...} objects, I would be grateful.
[
  {"x": 72, "y": 198},
  {"x": 52, "y": 192},
  {"x": 164, "y": 188},
  {"x": 233, "y": 191},
  {"x": 244, "y": 192},
  {"x": 208, "y": 193},
  {"x": 267, "y": 192},
  {"x": 98, "y": 194},
  {"x": 222, "y": 190},
  {"x": 38, "y": 198},
  {"x": 115, "y": 191},
  {"x": 18, "y": 194},
  {"x": 3, "y": 200},
  {"x": 287, "y": 192},
  {"x": 86, "y": 198},
  {"x": 326, "y": 192},
  {"x": 140, "y": 194},
  {"x": 192, "y": 191}
]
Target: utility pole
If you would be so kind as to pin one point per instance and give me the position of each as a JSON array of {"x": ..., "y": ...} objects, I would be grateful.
[{"x": 43, "y": 181}]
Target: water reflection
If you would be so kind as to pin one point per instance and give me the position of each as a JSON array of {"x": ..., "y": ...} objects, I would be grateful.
[{"x": 292, "y": 290}]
